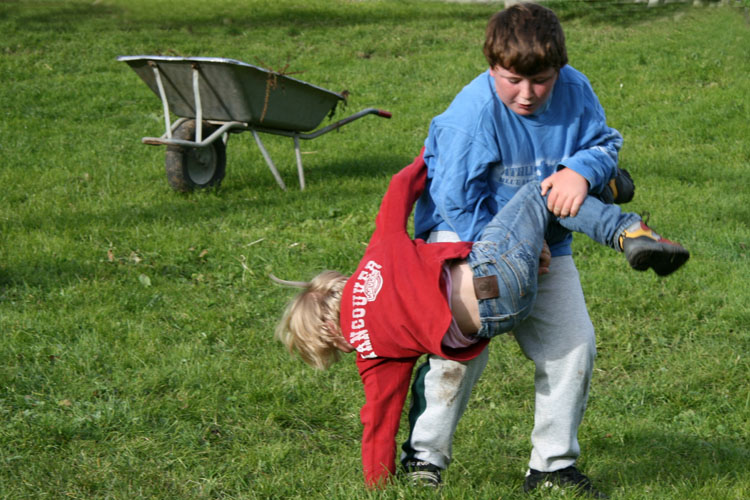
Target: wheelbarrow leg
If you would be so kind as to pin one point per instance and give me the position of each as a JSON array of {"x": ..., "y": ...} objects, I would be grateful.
[
  {"x": 163, "y": 97},
  {"x": 300, "y": 172},
  {"x": 267, "y": 157}
]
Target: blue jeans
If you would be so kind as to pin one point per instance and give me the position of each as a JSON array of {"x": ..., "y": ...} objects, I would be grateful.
[{"x": 511, "y": 243}]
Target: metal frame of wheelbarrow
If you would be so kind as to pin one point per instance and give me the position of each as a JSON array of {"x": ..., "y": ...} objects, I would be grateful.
[{"x": 286, "y": 123}]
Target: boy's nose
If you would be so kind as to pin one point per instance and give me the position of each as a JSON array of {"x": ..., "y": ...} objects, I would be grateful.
[{"x": 526, "y": 91}]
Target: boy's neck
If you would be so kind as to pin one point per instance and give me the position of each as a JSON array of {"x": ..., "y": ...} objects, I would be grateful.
[{"x": 545, "y": 106}]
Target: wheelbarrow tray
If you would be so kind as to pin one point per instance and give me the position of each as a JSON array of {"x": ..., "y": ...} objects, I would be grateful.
[
  {"x": 223, "y": 96},
  {"x": 232, "y": 90}
]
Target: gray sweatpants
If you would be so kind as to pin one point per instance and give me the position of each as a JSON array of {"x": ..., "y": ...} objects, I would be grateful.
[{"x": 558, "y": 337}]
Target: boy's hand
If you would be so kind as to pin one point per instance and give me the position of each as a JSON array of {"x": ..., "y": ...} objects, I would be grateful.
[
  {"x": 567, "y": 190},
  {"x": 545, "y": 258}
]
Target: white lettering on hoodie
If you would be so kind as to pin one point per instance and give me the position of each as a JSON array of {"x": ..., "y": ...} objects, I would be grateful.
[{"x": 366, "y": 288}]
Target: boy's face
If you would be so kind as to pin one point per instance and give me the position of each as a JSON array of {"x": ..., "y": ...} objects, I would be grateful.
[{"x": 524, "y": 95}]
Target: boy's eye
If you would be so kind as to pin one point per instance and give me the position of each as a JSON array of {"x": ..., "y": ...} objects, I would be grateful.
[{"x": 514, "y": 80}]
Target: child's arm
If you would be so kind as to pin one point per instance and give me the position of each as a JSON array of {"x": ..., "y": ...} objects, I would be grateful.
[
  {"x": 386, "y": 384},
  {"x": 404, "y": 189}
]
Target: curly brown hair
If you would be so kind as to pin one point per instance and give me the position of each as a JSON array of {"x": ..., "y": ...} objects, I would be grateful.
[{"x": 525, "y": 38}]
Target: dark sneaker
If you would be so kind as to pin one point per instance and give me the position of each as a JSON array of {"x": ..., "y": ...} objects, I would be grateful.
[
  {"x": 619, "y": 190},
  {"x": 644, "y": 248},
  {"x": 421, "y": 473},
  {"x": 569, "y": 477}
]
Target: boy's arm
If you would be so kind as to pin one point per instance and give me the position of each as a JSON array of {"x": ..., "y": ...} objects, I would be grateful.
[
  {"x": 459, "y": 186},
  {"x": 591, "y": 167},
  {"x": 567, "y": 190},
  {"x": 386, "y": 384}
]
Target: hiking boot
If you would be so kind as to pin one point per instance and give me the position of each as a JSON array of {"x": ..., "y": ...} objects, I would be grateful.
[
  {"x": 644, "y": 248},
  {"x": 569, "y": 477},
  {"x": 619, "y": 190},
  {"x": 421, "y": 473}
]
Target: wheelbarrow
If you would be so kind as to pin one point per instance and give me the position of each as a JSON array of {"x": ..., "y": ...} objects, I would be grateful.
[{"x": 213, "y": 97}]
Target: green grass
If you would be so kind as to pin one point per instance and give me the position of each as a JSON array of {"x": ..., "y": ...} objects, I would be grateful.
[{"x": 136, "y": 349}]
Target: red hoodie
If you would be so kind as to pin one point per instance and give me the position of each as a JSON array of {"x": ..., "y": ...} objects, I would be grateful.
[{"x": 394, "y": 309}]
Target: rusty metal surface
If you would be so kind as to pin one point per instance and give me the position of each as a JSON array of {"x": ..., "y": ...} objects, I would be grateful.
[{"x": 232, "y": 90}]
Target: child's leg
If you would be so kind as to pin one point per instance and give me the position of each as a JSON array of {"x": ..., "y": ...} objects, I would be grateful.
[
  {"x": 525, "y": 218},
  {"x": 626, "y": 232},
  {"x": 505, "y": 261},
  {"x": 440, "y": 393},
  {"x": 600, "y": 221},
  {"x": 559, "y": 338}
]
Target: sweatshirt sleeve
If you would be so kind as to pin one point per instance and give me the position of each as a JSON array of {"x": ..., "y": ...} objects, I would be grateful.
[
  {"x": 459, "y": 187},
  {"x": 598, "y": 145},
  {"x": 386, "y": 384},
  {"x": 404, "y": 189}
]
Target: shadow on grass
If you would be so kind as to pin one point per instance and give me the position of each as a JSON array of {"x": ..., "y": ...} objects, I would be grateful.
[
  {"x": 615, "y": 12},
  {"x": 65, "y": 17},
  {"x": 327, "y": 186},
  {"x": 48, "y": 273},
  {"x": 241, "y": 192},
  {"x": 358, "y": 168},
  {"x": 669, "y": 456},
  {"x": 55, "y": 16}
]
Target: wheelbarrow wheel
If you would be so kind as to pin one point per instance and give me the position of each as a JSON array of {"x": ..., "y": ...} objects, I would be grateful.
[{"x": 195, "y": 168}]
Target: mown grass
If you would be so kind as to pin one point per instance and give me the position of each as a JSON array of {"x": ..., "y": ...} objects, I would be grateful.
[{"x": 137, "y": 358}]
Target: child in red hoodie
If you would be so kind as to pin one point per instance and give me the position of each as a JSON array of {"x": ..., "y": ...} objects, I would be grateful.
[{"x": 408, "y": 298}]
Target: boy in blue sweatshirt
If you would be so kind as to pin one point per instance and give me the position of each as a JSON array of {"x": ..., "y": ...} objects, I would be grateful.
[
  {"x": 473, "y": 292},
  {"x": 529, "y": 117}
]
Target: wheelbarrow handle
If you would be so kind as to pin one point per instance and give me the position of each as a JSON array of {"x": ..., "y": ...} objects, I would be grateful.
[{"x": 333, "y": 126}]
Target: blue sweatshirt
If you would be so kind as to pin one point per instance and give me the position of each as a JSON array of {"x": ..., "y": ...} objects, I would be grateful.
[{"x": 479, "y": 153}]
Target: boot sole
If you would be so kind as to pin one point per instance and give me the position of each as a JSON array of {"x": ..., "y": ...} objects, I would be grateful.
[{"x": 663, "y": 258}]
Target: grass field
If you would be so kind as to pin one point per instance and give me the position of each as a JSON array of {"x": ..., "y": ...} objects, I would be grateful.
[{"x": 136, "y": 350}]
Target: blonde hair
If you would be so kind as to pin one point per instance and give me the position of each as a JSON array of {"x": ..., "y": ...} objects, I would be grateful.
[{"x": 305, "y": 327}]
